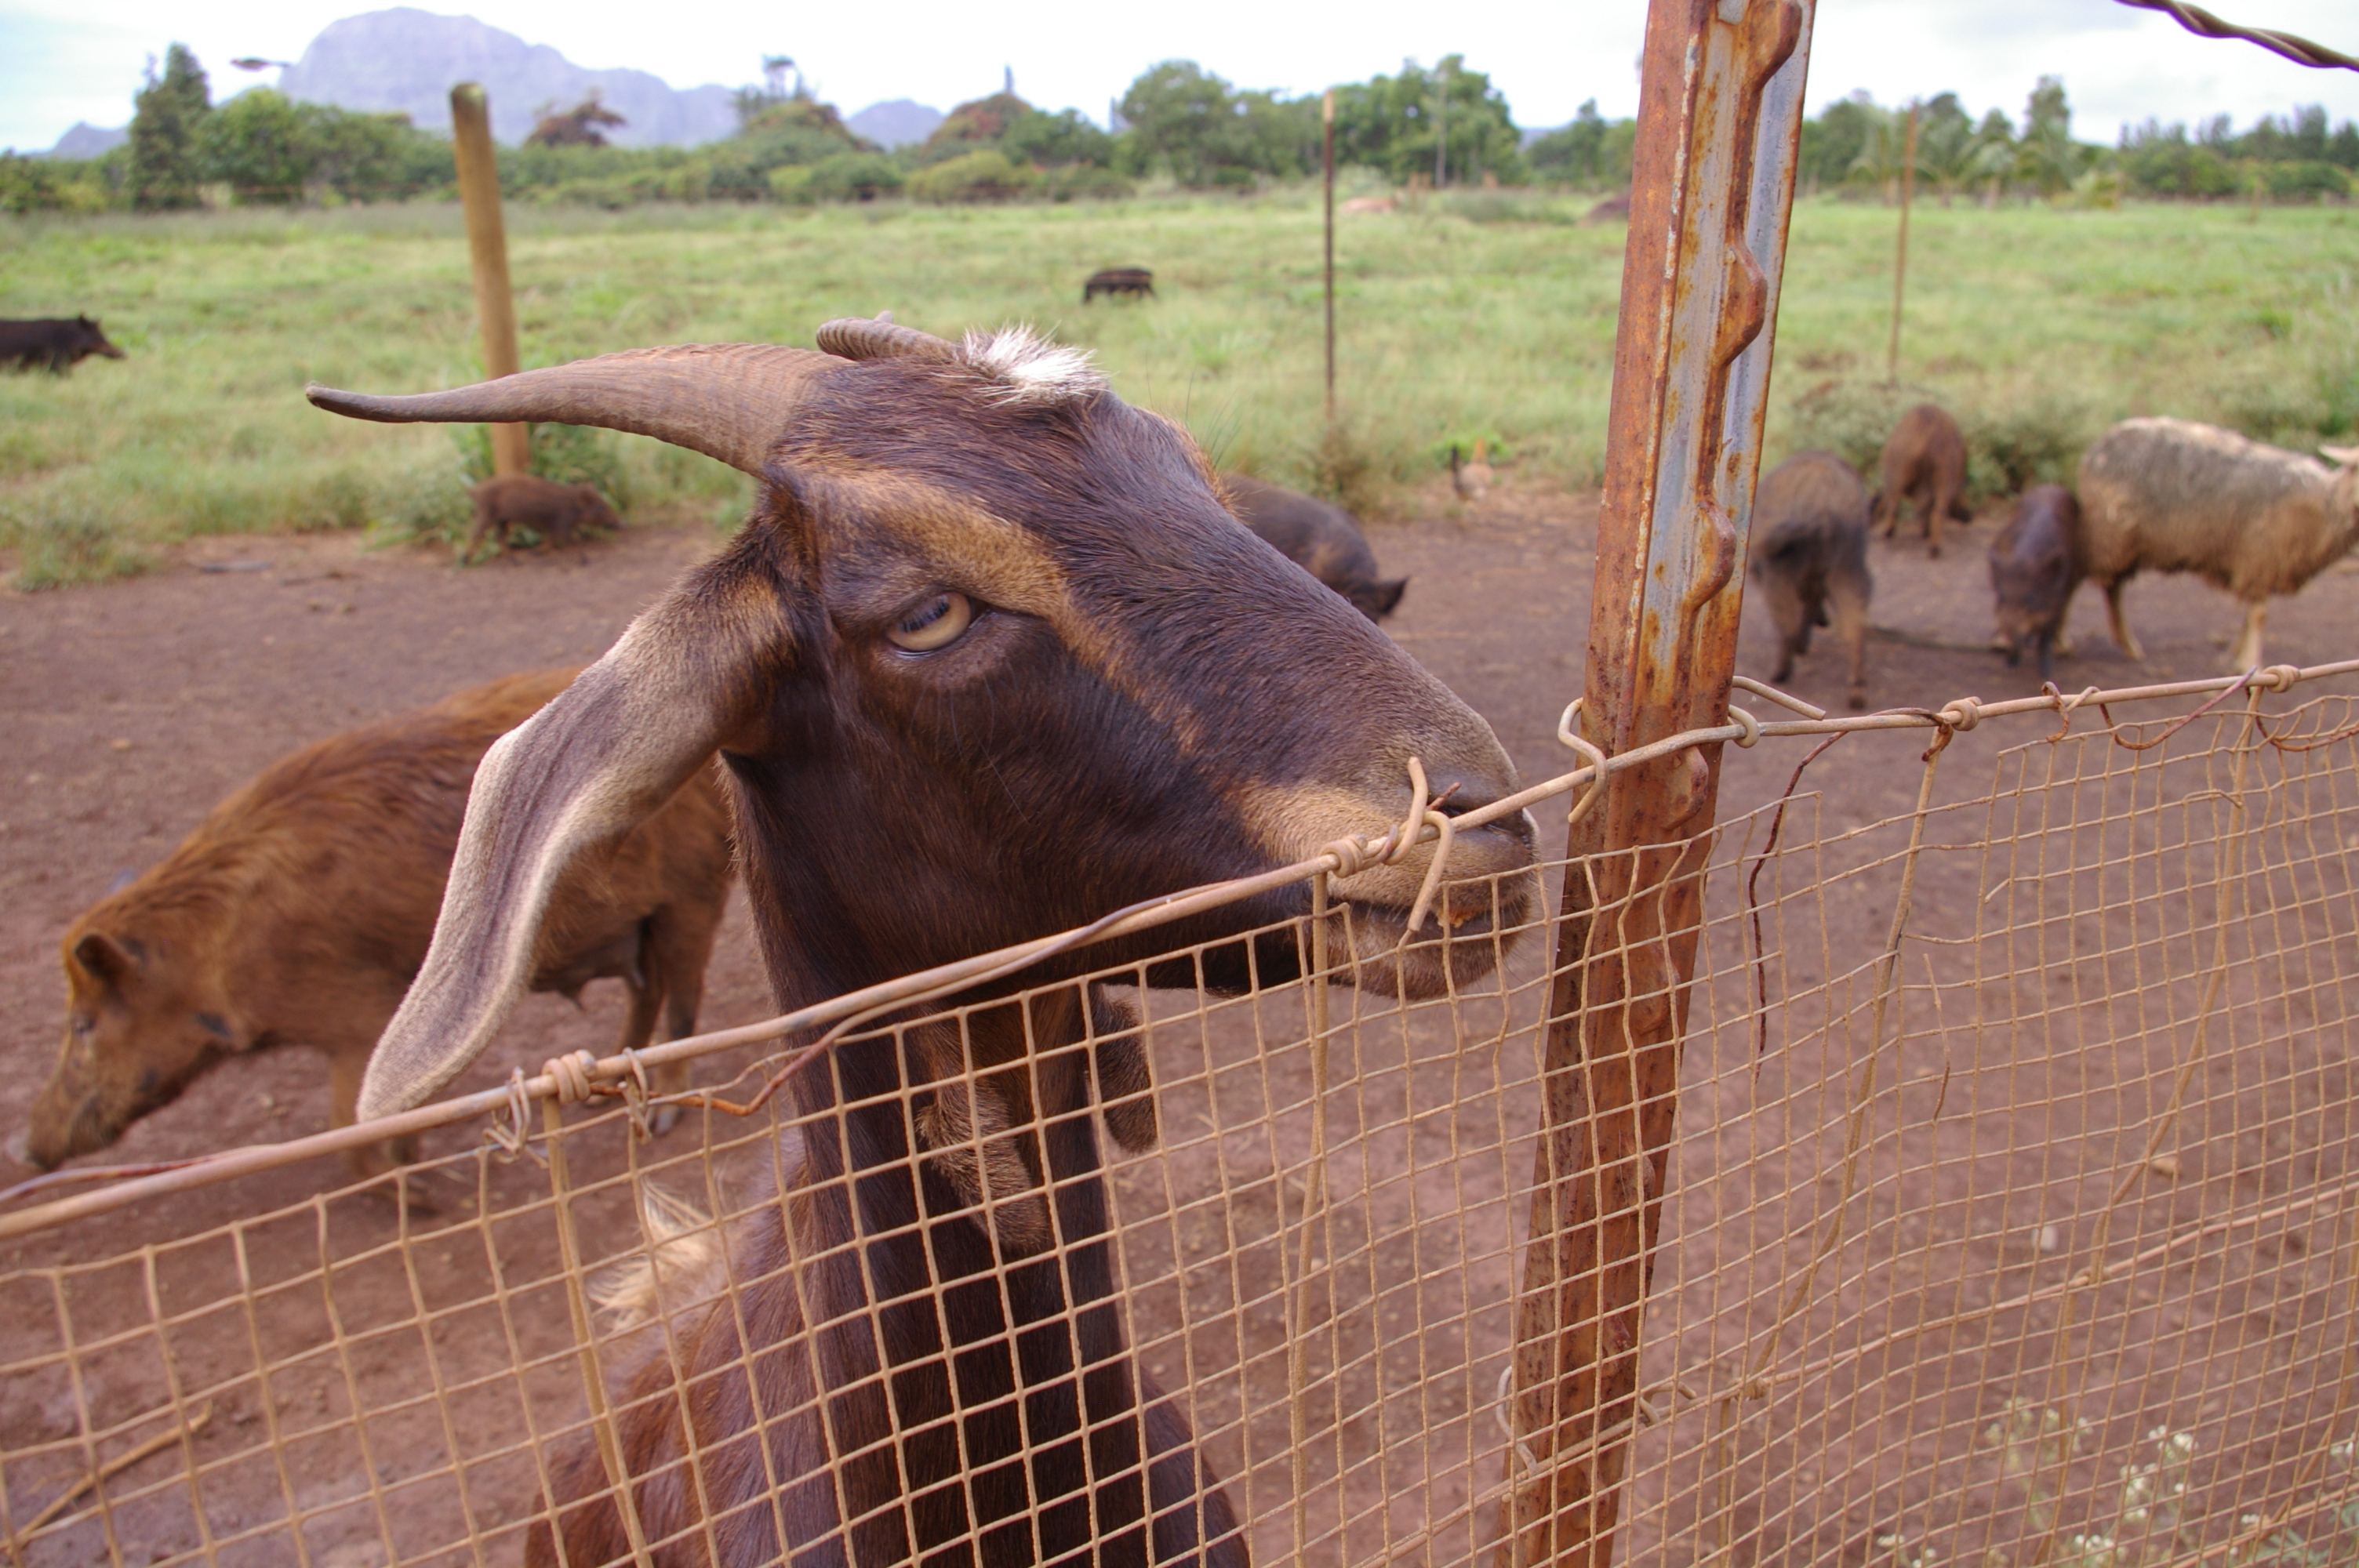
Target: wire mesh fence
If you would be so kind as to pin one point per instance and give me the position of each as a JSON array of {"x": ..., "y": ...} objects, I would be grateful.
[{"x": 2010, "y": 1219}]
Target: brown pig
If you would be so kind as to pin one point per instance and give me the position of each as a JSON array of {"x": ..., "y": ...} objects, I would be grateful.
[
  {"x": 558, "y": 512},
  {"x": 1924, "y": 462},
  {"x": 300, "y": 909},
  {"x": 1809, "y": 553}
]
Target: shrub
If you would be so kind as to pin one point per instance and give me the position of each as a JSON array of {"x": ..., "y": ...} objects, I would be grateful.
[
  {"x": 69, "y": 547},
  {"x": 854, "y": 177},
  {"x": 985, "y": 176},
  {"x": 2307, "y": 181},
  {"x": 1085, "y": 183}
]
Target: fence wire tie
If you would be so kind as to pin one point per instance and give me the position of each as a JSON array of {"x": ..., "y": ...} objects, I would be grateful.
[
  {"x": 635, "y": 1095},
  {"x": 509, "y": 1131},
  {"x": 571, "y": 1073},
  {"x": 1568, "y": 732},
  {"x": 2064, "y": 706},
  {"x": 1531, "y": 1461}
]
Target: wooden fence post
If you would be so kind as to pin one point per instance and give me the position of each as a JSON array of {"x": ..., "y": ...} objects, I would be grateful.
[
  {"x": 1719, "y": 118},
  {"x": 487, "y": 246},
  {"x": 1327, "y": 162},
  {"x": 1900, "y": 254}
]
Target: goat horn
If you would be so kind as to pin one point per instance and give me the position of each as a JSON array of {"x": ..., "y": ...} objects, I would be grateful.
[
  {"x": 856, "y": 338},
  {"x": 730, "y": 401}
]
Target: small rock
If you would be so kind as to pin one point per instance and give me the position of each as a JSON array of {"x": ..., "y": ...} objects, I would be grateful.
[
  {"x": 2051, "y": 1238},
  {"x": 2164, "y": 1165},
  {"x": 119, "y": 745}
]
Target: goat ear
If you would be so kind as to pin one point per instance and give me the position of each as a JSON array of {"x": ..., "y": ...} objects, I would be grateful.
[
  {"x": 2344, "y": 456},
  {"x": 570, "y": 783},
  {"x": 1388, "y": 595}
]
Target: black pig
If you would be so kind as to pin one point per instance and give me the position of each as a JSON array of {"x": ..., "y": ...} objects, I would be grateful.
[
  {"x": 2034, "y": 564},
  {"x": 54, "y": 344},
  {"x": 1323, "y": 539}
]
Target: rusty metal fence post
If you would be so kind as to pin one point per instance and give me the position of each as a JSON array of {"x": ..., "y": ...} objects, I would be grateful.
[
  {"x": 1719, "y": 117},
  {"x": 487, "y": 246}
]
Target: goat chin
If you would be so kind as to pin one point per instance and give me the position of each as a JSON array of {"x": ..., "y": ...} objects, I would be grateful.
[{"x": 1453, "y": 949}]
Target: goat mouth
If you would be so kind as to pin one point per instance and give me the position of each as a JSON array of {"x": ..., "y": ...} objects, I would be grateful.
[{"x": 1453, "y": 946}]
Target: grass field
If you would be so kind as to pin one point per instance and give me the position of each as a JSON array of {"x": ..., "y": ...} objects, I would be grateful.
[{"x": 1486, "y": 315}]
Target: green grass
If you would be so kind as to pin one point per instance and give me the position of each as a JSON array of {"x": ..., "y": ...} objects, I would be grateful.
[{"x": 1490, "y": 315}]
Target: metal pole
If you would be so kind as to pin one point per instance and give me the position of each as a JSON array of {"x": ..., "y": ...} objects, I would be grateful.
[
  {"x": 1900, "y": 257},
  {"x": 488, "y": 245},
  {"x": 1719, "y": 119},
  {"x": 1442, "y": 128},
  {"x": 1327, "y": 161}
]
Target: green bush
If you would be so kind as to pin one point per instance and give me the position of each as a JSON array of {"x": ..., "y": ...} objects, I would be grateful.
[
  {"x": 985, "y": 176},
  {"x": 1085, "y": 183},
  {"x": 2307, "y": 181}
]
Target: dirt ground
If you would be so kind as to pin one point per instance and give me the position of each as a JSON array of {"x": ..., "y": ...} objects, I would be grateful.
[{"x": 126, "y": 710}]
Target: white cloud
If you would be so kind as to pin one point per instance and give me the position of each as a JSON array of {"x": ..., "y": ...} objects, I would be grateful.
[{"x": 63, "y": 61}]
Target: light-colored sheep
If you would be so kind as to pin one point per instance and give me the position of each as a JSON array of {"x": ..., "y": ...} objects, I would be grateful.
[{"x": 2170, "y": 495}]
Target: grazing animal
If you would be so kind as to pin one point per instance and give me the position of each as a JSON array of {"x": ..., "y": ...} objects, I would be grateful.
[
  {"x": 1471, "y": 480},
  {"x": 558, "y": 512},
  {"x": 54, "y": 344},
  {"x": 301, "y": 907},
  {"x": 1809, "y": 551},
  {"x": 1322, "y": 538},
  {"x": 1127, "y": 282},
  {"x": 1924, "y": 462},
  {"x": 988, "y": 660},
  {"x": 2035, "y": 564},
  {"x": 2170, "y": 495}
]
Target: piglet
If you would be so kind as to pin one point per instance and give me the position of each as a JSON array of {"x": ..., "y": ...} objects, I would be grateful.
[
  {"x": 558, "y": 512},
  {"x": 2034, "y": 564},
  {"x": 1809, "y": 552}
]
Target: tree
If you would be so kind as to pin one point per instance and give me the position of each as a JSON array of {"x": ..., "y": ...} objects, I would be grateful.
[
  {"x": 2048, "y": 159},
  {"x": 1056, "y": 141},
  {"x": 255, "y": 145},
  {"x": 164, "y": 122},
  {"x": 1185, "y": 120},
  {"x": 1592, "y": 151},
  {"x": 1393, "y": 123},
  {"x": 583, "y": 125},
  {"x": 1832, "y": 142}
]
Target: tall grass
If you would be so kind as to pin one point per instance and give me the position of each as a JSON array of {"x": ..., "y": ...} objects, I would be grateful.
[{"x": 1490, "y": 315}]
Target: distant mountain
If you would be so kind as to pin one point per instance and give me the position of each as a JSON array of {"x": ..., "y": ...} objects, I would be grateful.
[
  {"x": 407, "y": 61},
  {"x": 88, "y": 141},
  {"x": 896, "y": 123}
]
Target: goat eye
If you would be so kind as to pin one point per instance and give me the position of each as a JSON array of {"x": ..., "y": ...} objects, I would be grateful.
[{"x": 932, "y": 623}]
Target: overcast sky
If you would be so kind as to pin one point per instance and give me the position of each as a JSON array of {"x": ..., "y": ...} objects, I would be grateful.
[{"x": 64, "y": 61}]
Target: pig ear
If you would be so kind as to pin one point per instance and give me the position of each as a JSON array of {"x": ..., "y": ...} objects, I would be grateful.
[
  {"x": 570, "y": 783},
  {"x": 108, "y": 961},
  {"x": 2345, "y": 456}
]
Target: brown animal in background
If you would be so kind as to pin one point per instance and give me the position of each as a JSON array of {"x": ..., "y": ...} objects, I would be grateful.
[
  {"x": 558, "y": 512},
  {"x": 53, "y": 343},
  {"x": 1810, "y": 550},
  {"x": 300, "y": 910},
  {"x": 1119, "y": 282},
  {"x": 1322, "y": 538},
  {"x": 2171, "y": 495},
  {"x": 2035, "y": 564},
  {"x": 1471, "y": 481},
  {"x": 1925, "y": 461},
  {"x": 989, "y": 660}
]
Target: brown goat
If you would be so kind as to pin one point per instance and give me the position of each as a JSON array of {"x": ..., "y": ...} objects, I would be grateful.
[
  {"x": 1924, "y": 462},
  {"x": 558, "y": 513},
  {"x": 301, "y": 909},
  {"x": 988, "y": 660}
]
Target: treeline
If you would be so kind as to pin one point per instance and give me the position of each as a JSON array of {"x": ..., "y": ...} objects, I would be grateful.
[
  {"x": 1443, "y": 126},
  {"x": 1859, "y": 146}
]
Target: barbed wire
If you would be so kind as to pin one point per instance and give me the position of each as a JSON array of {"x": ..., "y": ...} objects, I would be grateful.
[{"x": 2204, "y": 25}]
